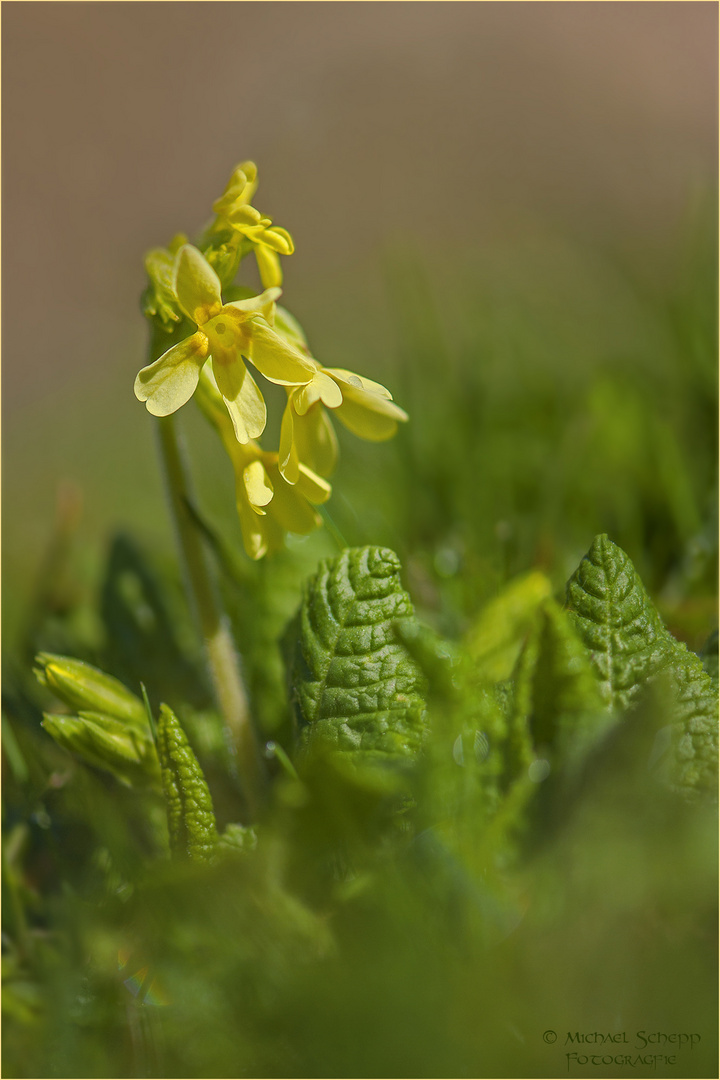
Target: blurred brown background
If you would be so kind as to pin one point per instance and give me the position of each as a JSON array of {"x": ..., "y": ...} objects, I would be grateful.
[{"x": 452, "y": 125}]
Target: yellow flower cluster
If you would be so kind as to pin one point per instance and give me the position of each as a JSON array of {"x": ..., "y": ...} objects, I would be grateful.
[{"x": 275, "y": 491}]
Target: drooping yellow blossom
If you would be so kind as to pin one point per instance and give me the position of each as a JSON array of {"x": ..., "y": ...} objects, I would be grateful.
[
  {"x": 306, "y": 436},
  {"x": 234, "y": 211},
  {"x": 225, "y": 333},
  {"x": 267, "y": 505}
]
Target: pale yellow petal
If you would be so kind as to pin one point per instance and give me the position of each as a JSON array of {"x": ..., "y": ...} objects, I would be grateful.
[
  {"x": 315, "y": 441},
  {"x": 320, "y": 388},
  {"x": 275, "y": 358},
  {"x": 253, "y": 526},
  {"x": 197, "y": 285},
  {"x": 369, "y": 415},
  {"x": 242, "y": 398},
  {"x": 171, "y": 380},
  {"x": 257, "y": 486},
  {"x": 262, "y": 304},
  {"x": 269, "y": 266},
  {"x": 289, "y": 508},
  {"x": 313, "y": 487},
  {"x": 358, "y": 381},
  {"x": 288, "y": 462}
]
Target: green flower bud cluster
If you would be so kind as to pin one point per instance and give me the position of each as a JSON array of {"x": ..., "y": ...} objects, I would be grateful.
[{"x": 110, "y": 729}]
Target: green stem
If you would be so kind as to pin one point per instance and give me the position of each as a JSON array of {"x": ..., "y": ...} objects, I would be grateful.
[{"x": 222, "y": 658}]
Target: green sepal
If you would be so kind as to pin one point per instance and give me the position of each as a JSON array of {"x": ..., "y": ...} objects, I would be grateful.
[
  {"x": 354, "y": 684},
  {"x": 224, "y": 250},
  {"x": 159, "y": 301},
  {"x": 191, "y": 819},
  {"x": 84, "y": 687},
  {"x": 287, "y": 325},
  {"x": 106, "y": 743}
]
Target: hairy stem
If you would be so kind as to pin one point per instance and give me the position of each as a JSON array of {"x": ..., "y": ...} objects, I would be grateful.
[{"x": 222, "y": 657}]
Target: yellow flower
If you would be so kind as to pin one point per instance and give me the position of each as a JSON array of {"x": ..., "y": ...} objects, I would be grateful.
[
  {"x": 234, "y": 211},
  {"x": 307, "y": 437},
  {"x": 267, "y": 505},
  {"x": 225, "y": 333}
]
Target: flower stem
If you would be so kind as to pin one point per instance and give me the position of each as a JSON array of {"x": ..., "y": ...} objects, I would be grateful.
[{"x": 222, "y": 657}]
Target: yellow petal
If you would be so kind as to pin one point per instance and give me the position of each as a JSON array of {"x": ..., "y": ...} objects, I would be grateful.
[
  {"x": 254, "y": 528},
  {"x": 257, "y": 486},
  {"x": 171, "y": 381},
  {"x": 275, "y": 358},
  {"x": 313, "y": 487},
  {"x": 242, "y": 398},
  {"x": 197, "y": 285},
  {"x": 369, "y": 415},
  {"x": 358, "y": 381},
  {"x": 263, "y": 304},
  {"x": 288, "y": 462},
  {"x": 320, "y": 388},
  {"x": 268, "y": 265},
  {"x": 289, "y": 507},
  {"x": 315, "y": 441}
]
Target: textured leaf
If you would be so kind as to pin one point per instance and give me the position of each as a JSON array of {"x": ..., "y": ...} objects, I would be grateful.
[
  {"x": 630, "y": 647},
  {"x": 191, "y": 820},
  {"x": 694, "y": 738},
  {"x": 617, "y": 622},
  {"x": 354, "y": 683}
]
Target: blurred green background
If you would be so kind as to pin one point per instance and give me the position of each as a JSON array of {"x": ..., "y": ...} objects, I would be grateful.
[{"x": 485, "y": 198}]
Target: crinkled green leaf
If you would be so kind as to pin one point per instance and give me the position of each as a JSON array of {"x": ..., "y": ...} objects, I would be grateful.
[
  {"x": 617, "y": 622},
  {"x": 630, "y": 647},
  {"x": 693, "y": 698},
  {"x": 191, "y": 819},
  {"x": 354, "y": 684}
]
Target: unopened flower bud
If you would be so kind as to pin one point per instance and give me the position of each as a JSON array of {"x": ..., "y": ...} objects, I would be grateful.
[{"x": 83, "y": 686}]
